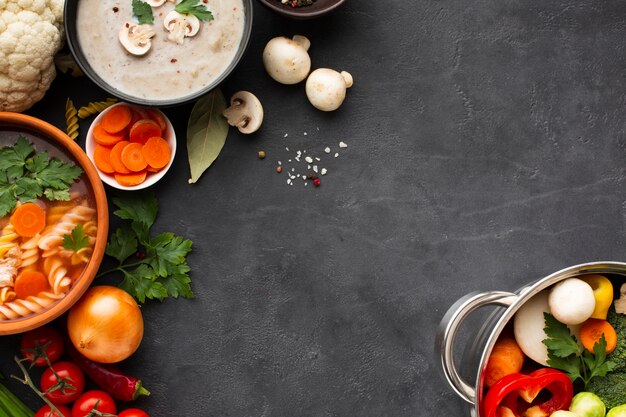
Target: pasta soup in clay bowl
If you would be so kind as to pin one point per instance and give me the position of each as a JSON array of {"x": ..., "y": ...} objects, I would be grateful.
[
  {"x": 53, "y": 222},
  {"x": 158, "y": 52}
]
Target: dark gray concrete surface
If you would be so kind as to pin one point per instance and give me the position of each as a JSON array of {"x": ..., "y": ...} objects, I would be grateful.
[{"x": 486, "y": 149}]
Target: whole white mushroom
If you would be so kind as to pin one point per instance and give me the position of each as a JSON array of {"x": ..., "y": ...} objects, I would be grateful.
[
  {"x": 326, "y": 88},
  {"x": 572, "y": 301},
  {"x": 287, "y": 60}
]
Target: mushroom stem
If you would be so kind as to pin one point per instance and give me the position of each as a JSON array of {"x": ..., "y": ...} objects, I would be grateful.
[
  {"x": 303, "y": 41},
  {"x": 235, "y": 116},
  {"x": 347, "y": 78}
]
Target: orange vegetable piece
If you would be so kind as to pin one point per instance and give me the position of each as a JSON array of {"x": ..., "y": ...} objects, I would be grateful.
[
  {"x": 592, "y": 330},
  {"x": 130, "y": 180},
  {"x": 102, "y": 159},
  {"x": 132, "y": 157},
  {"x": 105, "y": 138},
  {"x": 30, "y": 282},
  {"x": 116, "y": 158},
  {"x": 157, "y": 152},
  {"x": 143, "y": 130},
  {"x": 506, "y": 358},
  {"x": 116, "y": 119},
  {"x": 28, "y": 219},
  {"x": 158, "y": 117}
]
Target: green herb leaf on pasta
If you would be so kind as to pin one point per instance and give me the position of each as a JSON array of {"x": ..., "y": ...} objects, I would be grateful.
[
  {"x": 195, "y": 8},
  {"x": 27, "y": 175},
  {"x": 77, "y": 240},
  {"x": 143, "y": 12}
]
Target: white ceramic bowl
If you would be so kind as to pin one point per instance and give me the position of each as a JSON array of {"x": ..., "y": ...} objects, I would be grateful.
[{"x": 152, "y": 177}]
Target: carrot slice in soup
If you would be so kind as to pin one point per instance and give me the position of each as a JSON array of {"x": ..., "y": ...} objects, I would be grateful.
[
  {"x": 157, "y": 152},
  {"x": 116, "y": 119},
  {"x": 102, "y": 159},
  {"x": 130, "y": 180},
  {"x": 116, "y": 158},
  {"x": 30, "y": 282},
  {"x": 143, "y": 130},
  {"x": 105, "y": 138},
  {"x": 132, "y": 157},
  {"x": 28, "y": 219}
]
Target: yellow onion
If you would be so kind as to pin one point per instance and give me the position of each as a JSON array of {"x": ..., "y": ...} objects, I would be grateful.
[{"x": 105, "y": 325}]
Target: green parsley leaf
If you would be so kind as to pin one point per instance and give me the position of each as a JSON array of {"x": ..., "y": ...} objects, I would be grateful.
[
  {"x": 143, "y": 12},
  {"x": 195, "y": 8},
  {"x": 160, "y": 269},
  {"x": 122, "y": 244},
  {"x": 77, "y": 240},
  {"x": 565, "y": 354},
  {"x": 26, "y": 175}
]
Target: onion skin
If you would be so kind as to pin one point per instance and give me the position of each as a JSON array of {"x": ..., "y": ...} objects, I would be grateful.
[{"x": 105, "y": 325}]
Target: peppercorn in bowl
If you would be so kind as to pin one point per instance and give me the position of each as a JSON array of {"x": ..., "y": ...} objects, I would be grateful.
[{"x": 302, "y": 9}]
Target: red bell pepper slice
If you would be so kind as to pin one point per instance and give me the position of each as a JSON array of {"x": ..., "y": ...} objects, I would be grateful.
[{"x": 515, "y": 394}]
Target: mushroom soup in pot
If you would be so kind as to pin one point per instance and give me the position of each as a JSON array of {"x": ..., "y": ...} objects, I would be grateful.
[{"x": 169, "y": 68}]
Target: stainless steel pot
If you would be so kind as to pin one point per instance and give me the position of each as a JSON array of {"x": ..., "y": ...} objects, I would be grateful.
[{"x": 472, "y": 391}]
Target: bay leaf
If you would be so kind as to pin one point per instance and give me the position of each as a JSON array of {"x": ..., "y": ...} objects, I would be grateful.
[{"x": 207, "y": 130}]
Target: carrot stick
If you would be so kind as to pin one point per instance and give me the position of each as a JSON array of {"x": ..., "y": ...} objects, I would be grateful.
[
  {"x": 506, "y": 358},
  {"x": 105, "y": 138},
  {"x": 28, "y": 219},
  {"x": 116, "y": 158},
  {"x": 592, "y": 330},
  {"x": 30, "y": 282},
  {"x": 132, "y": 157},
  {"x": 116, "y": 118},
  {"x": 157, "y": 152},
  {"x": 130, "y": 180},
  {"x": 143, "y": 130},
  {"x": 102, "y": 159}
]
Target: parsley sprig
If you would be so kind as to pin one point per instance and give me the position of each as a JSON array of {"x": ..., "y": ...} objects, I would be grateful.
[
  {"x": 162, "y": 269},
  {"x": 27, "y": 175},
  {"x": 143, "y": 12},
  {"x": 565, "y": 354},
  {"x": 195, "y": 8},
  {"x": 76, "y": 240}
]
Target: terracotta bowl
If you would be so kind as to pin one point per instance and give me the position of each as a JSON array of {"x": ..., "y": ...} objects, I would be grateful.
[
  {"x": 62, "y": 146},
  {"x": 319, "y": 8}
]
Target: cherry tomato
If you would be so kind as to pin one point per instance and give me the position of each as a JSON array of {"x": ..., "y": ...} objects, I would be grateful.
[
  {"x": 132, "y": 412},
  {"x": 33, "y": 342},
  {"x": 45, "y": 411},
  {"x": 88, "y": 401},
  {"x": 72, "y": 386}
]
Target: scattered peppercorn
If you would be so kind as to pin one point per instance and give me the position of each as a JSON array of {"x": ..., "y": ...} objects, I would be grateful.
[
  {"x": 298, "y": 3},
  {"x": 279, "y": 169},
  {"x": 261, "y": 154},
  {"x": 115, "y": 10},
  {"x": 316, "y": 182}
]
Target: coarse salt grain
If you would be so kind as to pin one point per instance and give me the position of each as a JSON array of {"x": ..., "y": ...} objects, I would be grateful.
[
  {"x": 327, "y": 149},
  {"x": 324, "y": 171},
  {"x": 286, "y": 134},
  {"x": 280, "y": 163},
  {"x": 308, "y": 159},
  {"x": 314, "y": 168},
  {"x": 317, "y": 159},
  {"x": 305, "y": 133},
  {"x": 287, "y": 149},
  {"x": 343, "y": 145},
  {"x": 337, "y": 154}
]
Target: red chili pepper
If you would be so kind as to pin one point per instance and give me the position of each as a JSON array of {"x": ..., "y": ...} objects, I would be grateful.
[
  {"x": 316, "y": 182},
  {"x": 507, "y": 391},
  {"x": 108, "y": 377}
]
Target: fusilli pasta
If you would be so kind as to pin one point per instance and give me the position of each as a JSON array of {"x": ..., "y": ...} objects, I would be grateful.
[
  {"x": 71, "y": 120},
  {"x": 8, "y": 240},
  {"x": 57, "y": 275},
  {"x": 6, "y": 294},
  {"x": 95, "y": 107},
  {"x": 51, "y": 242},
  {"x": 24, "y": 307},
  {"x": 30, "y": 252}
]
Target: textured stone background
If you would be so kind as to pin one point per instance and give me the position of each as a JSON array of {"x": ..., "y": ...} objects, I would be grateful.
[{"x": 486, "y": 150}]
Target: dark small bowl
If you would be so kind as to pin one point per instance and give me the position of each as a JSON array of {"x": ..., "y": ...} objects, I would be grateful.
[
  {"x": 319, "y": 8},
  {"x": 71, "y": 33}
]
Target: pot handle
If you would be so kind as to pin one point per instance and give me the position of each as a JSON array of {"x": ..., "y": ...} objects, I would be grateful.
[{"x": 447, "y": 332}]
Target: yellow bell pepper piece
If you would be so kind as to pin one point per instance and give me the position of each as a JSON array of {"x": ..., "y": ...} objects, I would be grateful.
[{"x": 603, "y": 294}]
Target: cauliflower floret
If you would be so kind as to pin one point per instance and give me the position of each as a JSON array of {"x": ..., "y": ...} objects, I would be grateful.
[{"x": 31, "y": 32}]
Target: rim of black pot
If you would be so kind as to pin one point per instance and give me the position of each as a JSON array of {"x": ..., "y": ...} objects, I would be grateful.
[
  {"x": 71, "y": 34},
  {"x": 306, "y": 12}
]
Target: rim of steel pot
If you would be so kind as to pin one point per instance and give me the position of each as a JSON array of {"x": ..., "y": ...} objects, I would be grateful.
[{"x": 459, "y": 311}]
